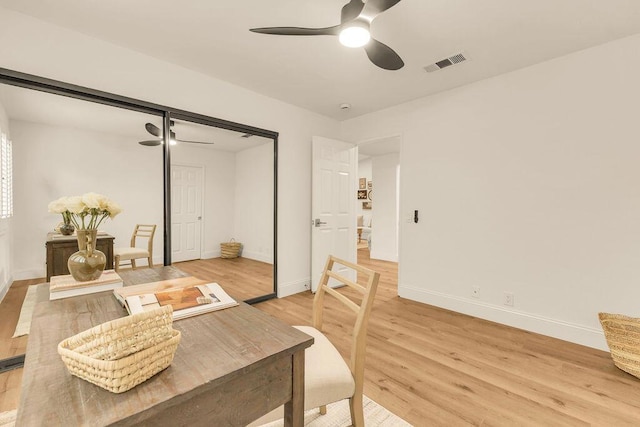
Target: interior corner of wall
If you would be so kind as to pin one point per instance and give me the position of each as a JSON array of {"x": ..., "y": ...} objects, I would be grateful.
[{"x": 4, "y": 287}]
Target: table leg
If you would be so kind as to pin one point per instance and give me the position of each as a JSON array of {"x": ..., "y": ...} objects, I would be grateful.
[{"x": 294, "y": 409}]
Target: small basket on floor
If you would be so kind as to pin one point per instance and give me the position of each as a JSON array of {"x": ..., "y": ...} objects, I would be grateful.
[
  {"x": 123, "y": 353},
  {"x": 230, "y": 249},
  {"x": 623, "y": 338}
]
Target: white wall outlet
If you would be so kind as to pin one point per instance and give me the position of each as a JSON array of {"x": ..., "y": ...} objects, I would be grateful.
[
  {"x": 475, "y": 291},
  {"x": 508, "y": 299}
]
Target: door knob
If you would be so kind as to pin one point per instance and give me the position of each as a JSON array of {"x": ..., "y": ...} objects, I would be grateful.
[{"x": 318, "y": 223}]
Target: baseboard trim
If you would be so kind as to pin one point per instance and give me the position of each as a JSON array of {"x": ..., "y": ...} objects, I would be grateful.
[
  {"x": 565, "y": 331},
  {"x": 5, "y": 288},
  {"x": 211, "y": 254},
  {"x": 291, "y": 288},
  {"x": 29, "y": 274},
  {"x": 384, "y": 256},
  {"x": 256, "y": 256}
]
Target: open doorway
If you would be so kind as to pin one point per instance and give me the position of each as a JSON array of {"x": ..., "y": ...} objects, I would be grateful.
[{"x": 378, "y": 205}]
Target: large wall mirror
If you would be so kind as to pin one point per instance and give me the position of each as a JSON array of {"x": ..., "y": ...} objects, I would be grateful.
[{"x": 69, "y": 140}]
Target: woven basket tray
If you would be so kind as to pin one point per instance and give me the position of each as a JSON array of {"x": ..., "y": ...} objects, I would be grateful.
[
  {"x": 623, "y": 337},
  {"x": 123, "y": 353},
  {"x": 230, "y": 249}
]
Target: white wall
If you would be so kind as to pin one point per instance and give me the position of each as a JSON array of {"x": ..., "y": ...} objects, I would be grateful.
[
  {"x": 51, "y": 162},
  {"x": 253, "y": 211},
  {"x": 35, "y": 47},
  {"x": 384, "y": 230},
  {"x": 527, "y": 183},
  {"x": 5, "y": 229}
]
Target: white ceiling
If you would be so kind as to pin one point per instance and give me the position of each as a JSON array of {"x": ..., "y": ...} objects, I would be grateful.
[
  {"x": 54, "y": 110},
  {"x": 317, "y": 73}
]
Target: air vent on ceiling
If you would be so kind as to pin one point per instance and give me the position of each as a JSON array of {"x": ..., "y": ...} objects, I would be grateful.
[{"x": 452, "y": 60}]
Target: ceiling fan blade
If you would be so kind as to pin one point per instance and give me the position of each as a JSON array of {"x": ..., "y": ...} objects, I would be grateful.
[
  {"x": 373, "y": 8},
  {"x": 151, "y": 143},
  {"x": 195, "y": 142},
  {"x": 351, "y": 11},
  {"x": 383, "y": 56},
  {"x": 298, "y": 31},
  {"x": 153, "y": 129}
]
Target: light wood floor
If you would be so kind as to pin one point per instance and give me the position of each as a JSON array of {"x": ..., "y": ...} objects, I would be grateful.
[
  {"x": 435, "y": 367},
  {"x": 241, "y": 277}
]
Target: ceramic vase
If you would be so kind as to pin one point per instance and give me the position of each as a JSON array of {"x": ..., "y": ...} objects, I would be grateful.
[{"x": 88, "y": 263}]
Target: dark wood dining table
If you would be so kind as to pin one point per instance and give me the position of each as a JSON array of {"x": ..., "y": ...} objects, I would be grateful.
[{"x": 231, "y": 367}]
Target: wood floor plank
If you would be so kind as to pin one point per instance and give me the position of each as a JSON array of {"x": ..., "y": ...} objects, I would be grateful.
[
  {"x": 434, "y": 367},
  {"x": 243, "y": 278}
]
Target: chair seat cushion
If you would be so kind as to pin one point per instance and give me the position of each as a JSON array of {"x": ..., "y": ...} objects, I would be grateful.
[
  {"x": 131, "y": 253},
  {"x": 327, "y": 377}
]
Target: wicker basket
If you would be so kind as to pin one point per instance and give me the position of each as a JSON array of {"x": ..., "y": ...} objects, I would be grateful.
[
  {"x": 623, "y": 337},
  {"x": 123, "y": 353},
  {"x": 230, "y": 249}
]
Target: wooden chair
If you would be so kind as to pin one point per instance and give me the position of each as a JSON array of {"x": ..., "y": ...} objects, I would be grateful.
[
  {"x": 328, "y": 378},
  {"x": 132, "y": 253}
]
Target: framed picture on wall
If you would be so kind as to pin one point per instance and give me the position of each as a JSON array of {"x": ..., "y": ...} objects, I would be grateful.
[
  {"x": 366, "y": 205},
  {"x": 363, "y": 184},
  {"x": 370, "y": 185},
  {"x": 370, "y": 195},
  {"x": 362, "y": 194}
]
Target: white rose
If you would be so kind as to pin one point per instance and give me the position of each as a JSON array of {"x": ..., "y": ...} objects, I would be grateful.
[
  {"x": 94, "y": 200},
  {"x": 113, "y": 208},
  {"x": 58, "y": 206},
  {"x": 75, "y": 204}
]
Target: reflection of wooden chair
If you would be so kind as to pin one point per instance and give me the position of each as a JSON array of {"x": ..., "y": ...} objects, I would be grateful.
[
  {"x": 132, "y": 253},
  {"x": 360, "y": 226},
  {"x": 328, "y": 378}
]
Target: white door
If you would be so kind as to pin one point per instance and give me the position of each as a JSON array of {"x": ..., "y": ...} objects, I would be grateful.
[
  {"x": 333, "y": 204},
  {"x": 186, "y": 212}
]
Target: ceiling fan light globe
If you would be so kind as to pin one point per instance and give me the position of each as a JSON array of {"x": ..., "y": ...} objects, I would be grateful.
[
  {"x": 354, "y": 36},
  {"x": 173, "y": 142}
]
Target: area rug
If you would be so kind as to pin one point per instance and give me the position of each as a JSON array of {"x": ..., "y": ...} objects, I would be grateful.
[
  {"x": 8, "y": 419},
  {"x": 338, "y": 415},
  {"x": 26, "y": 312}
]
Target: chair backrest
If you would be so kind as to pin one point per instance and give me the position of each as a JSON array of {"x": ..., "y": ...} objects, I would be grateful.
[
  {"x": 362, "y": 310},
  {"x": 144, "y": 231},
  {"x": 360, "y": 220}
]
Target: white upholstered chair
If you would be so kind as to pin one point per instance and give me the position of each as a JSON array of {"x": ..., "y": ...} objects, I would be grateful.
[
  {"x": 132, "y": 252},
  {"x": 328, "y": 378}
]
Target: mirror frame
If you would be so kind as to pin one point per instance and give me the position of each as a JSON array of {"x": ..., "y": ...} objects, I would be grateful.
[{"x": 30, "y": 81}]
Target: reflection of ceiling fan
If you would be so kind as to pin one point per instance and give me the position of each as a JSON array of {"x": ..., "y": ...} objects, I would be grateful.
[
  {"x": 156, "y": 131},
  {"x": 353, "y": 31}
]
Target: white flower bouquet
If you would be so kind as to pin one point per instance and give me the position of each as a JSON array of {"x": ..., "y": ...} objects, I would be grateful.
[{"x": 85, "y": 212}]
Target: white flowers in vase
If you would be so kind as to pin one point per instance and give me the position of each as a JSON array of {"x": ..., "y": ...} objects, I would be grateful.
[{"x": 85, "y": 212}]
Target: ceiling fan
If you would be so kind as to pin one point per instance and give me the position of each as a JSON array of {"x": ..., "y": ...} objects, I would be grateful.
[
  {"x": 353, "y": 31},
  {"x": 156, "y": 131}
]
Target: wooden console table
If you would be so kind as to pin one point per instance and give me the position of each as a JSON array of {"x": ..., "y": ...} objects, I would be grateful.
[
  {"x": 60, "y": 248},
  {"x": 231, "y": 367}
]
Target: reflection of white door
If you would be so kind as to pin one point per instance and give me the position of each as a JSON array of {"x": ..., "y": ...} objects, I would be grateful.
[
  {"x": 186, "y": 212},
  {"x": 333, "y": 204}
]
